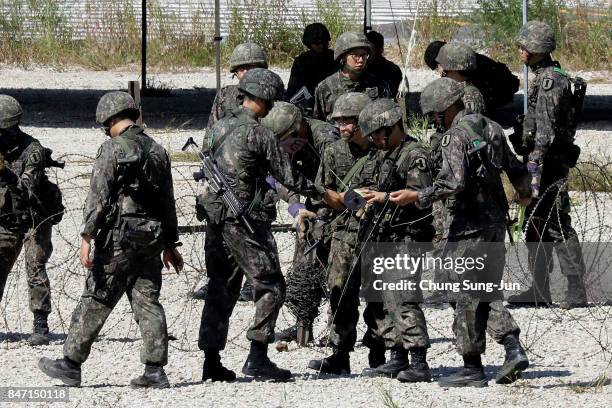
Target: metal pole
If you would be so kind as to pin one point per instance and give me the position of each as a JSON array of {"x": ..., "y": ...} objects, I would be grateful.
[
  {"x": 143, "y": 50},
  {"x": 217, "y": 40},
  {"x": 525, "y": 68},
  {"x": 367, "y": 16}
]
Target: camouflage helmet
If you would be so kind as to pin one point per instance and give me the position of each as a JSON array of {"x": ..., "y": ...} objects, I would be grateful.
[
  {"x": 378, "y": 114},
  {"x": 248, "y": 54},
  {"x": 283, "y": 119},
  {"x": 537, "y": 37},
  {"x": 349, "y": 41},
  {"x": 349, "y": 105},
  {"x": 440, "y": 94},
  {"x": 262, "y": 83},
  {"x": 114, "y": 103},
  {"x": 457, "y": 56},
  {"x": 10, "y": 112},
  {"x": 315, "y": 33}
]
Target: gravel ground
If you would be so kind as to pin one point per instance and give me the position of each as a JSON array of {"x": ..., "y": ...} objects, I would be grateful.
[{"x": 569, "y": 351}]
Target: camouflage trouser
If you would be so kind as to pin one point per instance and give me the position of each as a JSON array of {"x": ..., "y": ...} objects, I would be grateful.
[
  {"x": 38, "y": 249},
  {"x": 344, "y": 299},
  {"x": 111, "y": 277},
  {"x": 551, "y": 223},
  {"x": 474, "y": 318},
  {"x": 230, "y": 250}
]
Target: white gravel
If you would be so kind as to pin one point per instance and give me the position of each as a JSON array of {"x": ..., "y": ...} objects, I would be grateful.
[{"x": 568, "y": 350}]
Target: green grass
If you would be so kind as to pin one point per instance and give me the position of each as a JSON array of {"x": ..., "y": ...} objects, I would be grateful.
[{"x": 583, "y": 32}]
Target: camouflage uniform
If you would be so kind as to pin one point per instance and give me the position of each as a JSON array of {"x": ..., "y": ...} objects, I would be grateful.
[
  {"x": 117, "y": 199},
  {"x": 549, "y": 131},
  {"x": 22, "y": 225},
  {"x": 404, "y": 224},
  {"x": 476, "y": 213},
  {"x": 337, "y": 83},
  {"x": 456, "y": 56},
  {"x": 229, "y": 97},
  {"x": 338, "y": 159},
  {"x": 248, "y": 153}
]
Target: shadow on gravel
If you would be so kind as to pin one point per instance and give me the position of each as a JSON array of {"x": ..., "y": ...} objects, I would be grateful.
[
  {"x": 119, "y": 339},
  {"x": 16, "y": 337},
  {"x": 189, "y": 108}
]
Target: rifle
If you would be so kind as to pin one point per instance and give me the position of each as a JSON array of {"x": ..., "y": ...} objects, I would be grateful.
[
  {"x": 50, "y": 162},
  {"x": 218, "y": 184}
]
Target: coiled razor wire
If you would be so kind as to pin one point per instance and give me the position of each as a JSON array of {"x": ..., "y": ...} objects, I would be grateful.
[{"x": 591, "y": 217}]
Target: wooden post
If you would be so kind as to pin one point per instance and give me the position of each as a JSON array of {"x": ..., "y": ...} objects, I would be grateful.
[
  {"x": 134, "y": 91},
  {"x": 303, "y": 334}
]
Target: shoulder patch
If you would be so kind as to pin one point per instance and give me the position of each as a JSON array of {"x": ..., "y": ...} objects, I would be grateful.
[
  {"x": 548, "y": 83},
  {"x": 470, "y": 106},
  {"x": 35, "y": 157},
  {"x": 372, "y": 92},
  {"x": 420, "y": 163},
  {"x": 445, "y": 140}
]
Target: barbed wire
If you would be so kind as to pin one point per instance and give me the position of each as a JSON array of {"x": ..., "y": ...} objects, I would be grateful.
[{"x": 591, "y": 195}]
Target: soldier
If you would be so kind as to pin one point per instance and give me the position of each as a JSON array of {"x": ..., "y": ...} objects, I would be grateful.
[
  {"x": 476, "y": 216},
  {"x": 381, "y": 67},
  {"x": 547, "y": 143},
  {"x": 305, "y": 140},
  {"x": 457, "y": 61},
  {"x": 405, "y": 164},
  {"x": 130, "y": 215},
  {"x": 247, "y": 153},
  {"x": 314, "y": 65},
  {"x": 350, "y": 162},
  {"x": 25, "y": 219},
  {"x": 351, "y": 52},
  {"x": 493, "y": 79},
  {"x": 245, "y": 56}
]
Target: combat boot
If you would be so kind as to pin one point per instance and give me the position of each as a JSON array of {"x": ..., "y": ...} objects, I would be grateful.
[
  {"x": 214, "y": 370},
  {"x": 246, "y": 293},
  {"x": 258, "y": 364},
  {"x": 418, "y": 370},
  {"x": 201, "y": 293},
  {"x": 290, "y": 334},
  {"x": 516, "y": 361},
  {"x": 376, "y": 356},
  {"x": 338, "y": 363},
  {"x": 471, "y": 375},
  {"x": 63, "y": 369},
  {"x": 154, "y": 377},
  {"x": 398, "y": 362},
  {"x": 575, "y": 296},
  {"x": 40, "y": 330}
]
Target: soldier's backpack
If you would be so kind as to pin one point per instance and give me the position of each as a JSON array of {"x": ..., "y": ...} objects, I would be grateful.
[{"x": 139, "y": 230}]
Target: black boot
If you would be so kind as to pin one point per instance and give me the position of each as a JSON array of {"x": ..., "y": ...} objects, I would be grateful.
[
  {"x": 471, "y": 375},
  {"x": 40, "y": 330},
  {"x": 576, "y": 293},
  {"x": 516, "y": 361},
  {"x": 398, "y": 362},
  {"x": 246, "y": 293},
  {"x": 338, "y": 363},
  {"x": 418, "y": 371},
  {"x": 214, "y": 370},
  {"x": 258, "y": 364},
  {"x": 201, "y": 293},
  {"x": 376, "y": 356},
  {"x": 63, "y": 369},
  {"x": 154, "y": 377}
]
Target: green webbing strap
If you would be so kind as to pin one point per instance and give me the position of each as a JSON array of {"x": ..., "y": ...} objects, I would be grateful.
[{"x": 351, "y": 173}]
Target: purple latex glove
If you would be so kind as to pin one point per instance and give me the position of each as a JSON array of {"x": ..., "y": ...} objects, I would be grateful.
[
  {"x": 271, "y": 182},
  {"x": 294, "y": 209}
]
